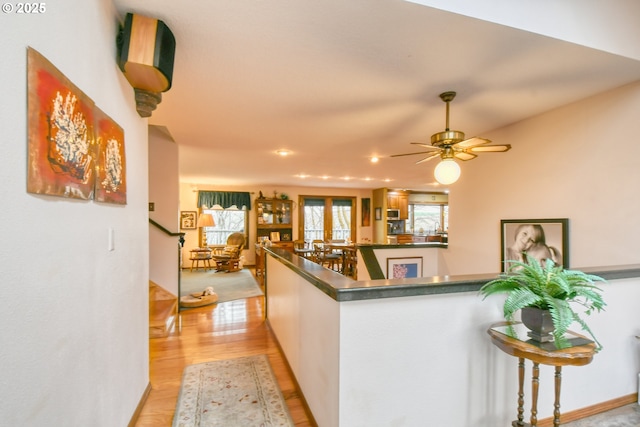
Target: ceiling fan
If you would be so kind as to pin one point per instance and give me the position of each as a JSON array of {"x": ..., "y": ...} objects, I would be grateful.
[{"x": 450, "y": 144}]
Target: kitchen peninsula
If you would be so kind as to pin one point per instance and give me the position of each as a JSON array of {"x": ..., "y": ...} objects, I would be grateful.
[{"x": 397, "y": 352}]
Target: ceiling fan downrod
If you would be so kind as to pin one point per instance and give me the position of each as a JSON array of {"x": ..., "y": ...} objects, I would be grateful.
[
  {"x": 447, "y": 97},
  {"x": 447, "y": 137}
]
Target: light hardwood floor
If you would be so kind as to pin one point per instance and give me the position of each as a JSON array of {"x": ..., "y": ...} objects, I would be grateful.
[{"x": 219, "y": 331}]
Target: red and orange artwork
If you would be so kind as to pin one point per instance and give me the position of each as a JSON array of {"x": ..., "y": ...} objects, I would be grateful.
[
  {"x": 60, "y": 137},
  {"x": 111, "y": 182}
]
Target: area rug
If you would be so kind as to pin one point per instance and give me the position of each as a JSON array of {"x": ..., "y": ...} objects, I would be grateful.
[
  {"x": 228, "y": 286},
  {"x": 625, "y": 416},
  {"x": 240, "y": 392}
]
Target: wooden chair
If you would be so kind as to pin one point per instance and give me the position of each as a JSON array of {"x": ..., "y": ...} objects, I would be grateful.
[
  {"x": 301, "y": 248},
  {"x": 349, "y": 260},
  {"x": 229, "y": 259},
  {"x": 322, "y": 256}
]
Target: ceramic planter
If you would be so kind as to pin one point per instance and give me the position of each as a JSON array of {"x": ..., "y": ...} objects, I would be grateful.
[{"x": 539, "y": 322}]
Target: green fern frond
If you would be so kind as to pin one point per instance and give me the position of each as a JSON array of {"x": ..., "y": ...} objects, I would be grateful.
[
  {"x": 586, "y": 328},
  {"x": 520, "y": 298}
]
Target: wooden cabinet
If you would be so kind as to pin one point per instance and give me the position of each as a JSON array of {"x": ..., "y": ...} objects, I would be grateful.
[
  {"x": 399, "y": 200},
  {"x": 403, "y": 206},
  {"x": 274, "y": 221},
  {"x": 392, "y": 201},
  {"x": 284, "y": 245}
]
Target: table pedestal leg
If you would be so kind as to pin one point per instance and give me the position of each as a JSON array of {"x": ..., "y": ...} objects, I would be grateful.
[
  {"x": 535, "y": 383},
  {"x": 556, "y": 403},
  {"x": 520, "y": 421}
]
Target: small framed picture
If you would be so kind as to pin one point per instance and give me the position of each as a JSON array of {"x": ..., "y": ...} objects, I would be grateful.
[
  {"x": 274, "y": 236},
  {"x": 378, "y": 214},
  {"x": 541, "y": 239},
  {"x": 188, "y": 220},
  {"x": 404, "y": 268}
]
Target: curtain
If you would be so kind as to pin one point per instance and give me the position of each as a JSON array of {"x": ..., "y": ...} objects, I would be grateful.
[{"x": 226, "y": 199}]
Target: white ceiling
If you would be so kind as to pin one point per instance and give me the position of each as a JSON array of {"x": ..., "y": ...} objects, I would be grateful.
[{"x": 337, "y": 82}]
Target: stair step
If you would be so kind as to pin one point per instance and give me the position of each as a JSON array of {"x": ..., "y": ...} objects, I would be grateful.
[{"x": 163, "y": 310}]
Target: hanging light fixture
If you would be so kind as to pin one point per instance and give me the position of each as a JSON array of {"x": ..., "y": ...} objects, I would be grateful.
[{"x": 447, "y": 171}]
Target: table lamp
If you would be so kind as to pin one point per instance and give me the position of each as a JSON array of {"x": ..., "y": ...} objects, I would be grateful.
[{"x": 205, "y": 220}]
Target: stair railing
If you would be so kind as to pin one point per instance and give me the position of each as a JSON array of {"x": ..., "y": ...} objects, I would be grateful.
[{"x": 181, "y": 240}]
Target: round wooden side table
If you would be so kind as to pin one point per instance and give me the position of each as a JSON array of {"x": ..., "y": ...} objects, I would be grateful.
[{"x": 512, "y": 338}]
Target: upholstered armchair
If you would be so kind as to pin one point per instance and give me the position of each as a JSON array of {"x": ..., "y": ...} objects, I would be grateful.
[{"x": 229, "y": 259}]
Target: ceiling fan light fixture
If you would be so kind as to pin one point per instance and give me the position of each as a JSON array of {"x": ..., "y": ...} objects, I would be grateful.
[{"x": 447, "y": 171}]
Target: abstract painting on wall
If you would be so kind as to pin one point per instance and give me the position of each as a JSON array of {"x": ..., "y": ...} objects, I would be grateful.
[
  {"x": 111, "y": 182},
  {"x": 60, "y": 138},
  {"x": 75, "y": 149}
]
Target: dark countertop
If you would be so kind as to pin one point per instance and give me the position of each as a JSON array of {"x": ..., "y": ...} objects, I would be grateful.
[{"x": 342, "y": 288}]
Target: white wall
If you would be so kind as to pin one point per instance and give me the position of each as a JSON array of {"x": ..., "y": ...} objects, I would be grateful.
[
  {"x": 73, "y": 347},
  {"x": 189, "y": 200},
  {"x": 585, "y": 22},
  {"x": 163, "y": 192},
  {"x": 580, "y": 162},
  {"x": 307, "y": 324}
]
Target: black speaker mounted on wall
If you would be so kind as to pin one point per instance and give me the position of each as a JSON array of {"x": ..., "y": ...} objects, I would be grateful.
[{"x": 146, "y": 59}]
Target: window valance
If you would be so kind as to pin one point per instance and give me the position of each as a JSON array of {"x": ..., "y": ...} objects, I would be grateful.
[
  {"x": 321, "y": 202},
  {"x": 226, "y": 199}
]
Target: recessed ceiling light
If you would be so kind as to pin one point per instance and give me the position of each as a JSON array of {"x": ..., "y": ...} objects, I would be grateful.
[
  {"x": 375, "y": 159},
  {"x": 325, "y": 177},
  {"x": 368, "y": 179},
  {"x": 303, "y": 176},
  {"x": 387, "y": 180},
  {"x": 283, "y": 152}
]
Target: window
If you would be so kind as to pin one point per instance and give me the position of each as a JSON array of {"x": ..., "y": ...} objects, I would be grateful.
[
  {"x": 316, "y": 224},
  {"x": 227, "y": 222},
  {"x": 427, "y": 218}
]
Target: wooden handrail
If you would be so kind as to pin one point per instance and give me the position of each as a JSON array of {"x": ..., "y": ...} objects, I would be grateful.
[{"x": 167, "y": 232}]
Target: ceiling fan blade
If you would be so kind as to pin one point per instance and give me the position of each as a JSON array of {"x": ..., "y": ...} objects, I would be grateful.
[
  {"x": 410, "y": 154},
  {"x": 491, "y": 148},
  {"x": 430, "y": 147},
  {"x": 426, "y": 159},
  {"x": 463, "y": 155},
  {"x": 472, "y": 142}
]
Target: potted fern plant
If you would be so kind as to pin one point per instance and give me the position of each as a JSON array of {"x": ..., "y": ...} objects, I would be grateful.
[{"x": 550, "y": 291}]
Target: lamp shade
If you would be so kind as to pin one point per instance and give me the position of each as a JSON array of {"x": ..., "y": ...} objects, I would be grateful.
[
  {"x": 206, "y": 220},
  {"x": 447, "y": 172}
]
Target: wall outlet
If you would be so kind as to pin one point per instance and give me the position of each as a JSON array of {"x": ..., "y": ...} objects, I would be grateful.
[{"x": 152, "y": 206}]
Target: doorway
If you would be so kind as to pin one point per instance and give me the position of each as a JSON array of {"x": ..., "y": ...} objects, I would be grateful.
[{"x": 327, "y": 218}]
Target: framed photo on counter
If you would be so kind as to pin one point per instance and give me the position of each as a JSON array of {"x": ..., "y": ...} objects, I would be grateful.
[{"x": 404, "y": 268}]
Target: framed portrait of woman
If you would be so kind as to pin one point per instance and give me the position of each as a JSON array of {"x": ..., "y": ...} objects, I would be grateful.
[{"x": 541, "y": 239}]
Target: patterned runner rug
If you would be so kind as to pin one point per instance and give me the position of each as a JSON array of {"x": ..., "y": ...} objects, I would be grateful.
[{"x": 239, "y": 392}]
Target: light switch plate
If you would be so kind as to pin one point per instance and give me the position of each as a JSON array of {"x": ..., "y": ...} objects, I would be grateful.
[{"x": 111, "y": 238}]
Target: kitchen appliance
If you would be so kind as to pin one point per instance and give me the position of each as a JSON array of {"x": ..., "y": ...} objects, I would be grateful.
[
  {"x": 393, "y": 214},
  {"x": 395, "y": 227}
]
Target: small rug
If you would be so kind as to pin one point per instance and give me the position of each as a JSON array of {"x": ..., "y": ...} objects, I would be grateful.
[
  {"x": 228, "y": 286},
  {"x": 240, "y": 392}
]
